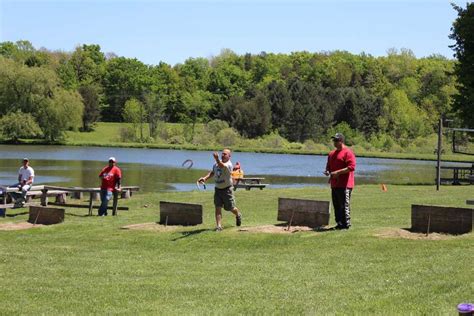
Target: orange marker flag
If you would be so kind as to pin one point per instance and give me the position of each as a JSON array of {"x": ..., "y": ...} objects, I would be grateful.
[{"x": 384, "y": 188}]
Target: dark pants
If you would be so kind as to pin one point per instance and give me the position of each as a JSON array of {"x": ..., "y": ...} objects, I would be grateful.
[{"x": 341, "y": 199}]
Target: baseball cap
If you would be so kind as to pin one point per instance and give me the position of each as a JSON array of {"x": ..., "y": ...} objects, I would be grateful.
[
  {"x": 338, "y": 137},
  {"x": 26, "y": 159},
  {"x": 112, "y": 159}
]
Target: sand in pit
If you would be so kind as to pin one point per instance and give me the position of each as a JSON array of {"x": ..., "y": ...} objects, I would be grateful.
[
  {"x": 18, "y": 226},
  {"x": 153, "y": 227},
  {"x": 406, "y": 234},
  {"x": 277, "y": 229}
]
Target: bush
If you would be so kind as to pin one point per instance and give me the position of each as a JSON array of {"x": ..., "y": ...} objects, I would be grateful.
[
  {"x": 127, "y": 134},
  {"x": 310, "y": 145},
  {"x": 274, "y": 140},
  {"x": 228, "y": 137},
  {"x": 295, "y": 146},
  {"x": 215, "y": 126},
  {"x": 16, "y": 125},
  {"x": 203, "y": 138},
  {"x": 177, "y": 140},
  {"x": 169, "y": 131}
]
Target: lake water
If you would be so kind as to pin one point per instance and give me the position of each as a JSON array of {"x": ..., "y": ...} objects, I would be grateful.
[{"x": 162, "y": 170}]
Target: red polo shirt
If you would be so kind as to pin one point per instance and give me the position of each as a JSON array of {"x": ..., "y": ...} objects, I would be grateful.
[
  {"x": 340, "y": 159},
  {"x": 110, "y": 176}
]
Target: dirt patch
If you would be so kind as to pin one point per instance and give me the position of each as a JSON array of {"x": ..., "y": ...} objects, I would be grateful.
[
  {"x": 406, "y": 234},
  {"x": 153, "y": 227},
  {"x": 18, "y": 226},
  {"x": 277, "y": 229}
]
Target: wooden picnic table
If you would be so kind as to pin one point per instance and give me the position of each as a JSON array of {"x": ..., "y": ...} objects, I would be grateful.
[
  {"x": 45, "y": 191},
  {"x": 93, "y": 192},
  {"x": 249, "y": 183},
  {"x": 460, "y": 174}
]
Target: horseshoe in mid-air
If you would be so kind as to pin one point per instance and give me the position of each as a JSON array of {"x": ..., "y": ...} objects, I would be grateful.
[{"x": 188, "y": 162}]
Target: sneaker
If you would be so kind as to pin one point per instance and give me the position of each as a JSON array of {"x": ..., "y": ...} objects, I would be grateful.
[
  {"x": 238, "y": 220},
  {"x": 218, "y": 229},
  {"x": 340, "y": 227}
]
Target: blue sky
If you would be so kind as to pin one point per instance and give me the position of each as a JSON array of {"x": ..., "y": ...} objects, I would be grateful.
[{"x": 172, "y": 31}]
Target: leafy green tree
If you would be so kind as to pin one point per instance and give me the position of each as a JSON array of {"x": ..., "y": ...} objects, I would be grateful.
[
  {"x": 23, "y": 88},
  {"x": 281, "y": 105},
  {"x": 228, "y": 80},
  {"x": 401, "y": 118},
  {"x": 124, "y": 79},
  {"x": 168, "y": 84},
  {"x": 88, "y": 63},
  {"x": 197, "y": 106},
  {"x": 134, "y": 112},
  {"x": 359, "y": 109},
  {"x": 90, "y": 94},
  {"x": 60, "y": 113},
  {"x": 154, "y": 107},
  {"x": 463, "y": 34},
  {"x": 195, "y": 73},
  {"x": 16, "y": 125},
  {"x": 35, "y": 90},
  {"x": 24, "y": 53},
  {"x": 312, "y": 113}
]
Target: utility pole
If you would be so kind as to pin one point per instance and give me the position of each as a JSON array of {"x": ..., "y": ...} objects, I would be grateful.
[{"x": 438, "y": 164}]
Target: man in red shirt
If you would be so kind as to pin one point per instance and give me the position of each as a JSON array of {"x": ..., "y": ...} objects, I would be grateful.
[
  {"x": 111, "y": 177},
  {"x": 340, "y": 169}
]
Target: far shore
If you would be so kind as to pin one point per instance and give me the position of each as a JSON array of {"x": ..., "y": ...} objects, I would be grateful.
[{"x": 383, "y": 155}]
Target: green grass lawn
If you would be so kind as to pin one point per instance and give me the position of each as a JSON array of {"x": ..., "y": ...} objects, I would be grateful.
[{"x": 88, "y": 265}]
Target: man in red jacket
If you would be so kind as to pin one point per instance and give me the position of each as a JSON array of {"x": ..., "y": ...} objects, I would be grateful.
[
  {"x": 111, "y": 176},
  {"x": 340, "y": 169}
]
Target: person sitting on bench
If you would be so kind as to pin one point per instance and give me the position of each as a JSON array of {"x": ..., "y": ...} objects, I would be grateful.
[
  {"x": 26, "y": 175},
  {"x": 237, "y": 173}
]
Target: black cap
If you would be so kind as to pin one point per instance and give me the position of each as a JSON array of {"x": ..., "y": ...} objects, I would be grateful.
[{"x": 338, "y": 137}]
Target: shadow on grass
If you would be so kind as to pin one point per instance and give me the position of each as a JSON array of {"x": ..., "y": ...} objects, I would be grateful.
[
  {"x": 324, "y": 229},
  {"x": 190, "y": 233},
  {"x": 79, "y": 215},
  {"x": 16, "y": 214}
]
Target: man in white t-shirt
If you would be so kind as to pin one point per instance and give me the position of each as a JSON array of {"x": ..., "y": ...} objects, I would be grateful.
[
  {"x": 26, "y": 175},
  {"x": 224, "y": 193}
]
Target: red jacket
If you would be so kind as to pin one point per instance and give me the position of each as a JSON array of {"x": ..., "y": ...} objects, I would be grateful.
[{"x": 340, "y": 159}]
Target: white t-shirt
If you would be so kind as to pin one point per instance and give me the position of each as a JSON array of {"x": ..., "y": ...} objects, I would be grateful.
[
  {"x": 223, "y": 176},
  {"x": 25, "y": 174}
]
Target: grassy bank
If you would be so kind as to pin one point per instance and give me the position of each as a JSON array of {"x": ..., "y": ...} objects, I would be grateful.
[{"x": 88, "y": 265}]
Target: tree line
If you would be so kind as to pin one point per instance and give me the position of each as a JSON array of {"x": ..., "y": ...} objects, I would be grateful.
[{"x": 300, "y": 96}]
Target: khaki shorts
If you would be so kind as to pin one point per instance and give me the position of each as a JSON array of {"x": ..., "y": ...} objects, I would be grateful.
[{"x": 224, "y": 197}]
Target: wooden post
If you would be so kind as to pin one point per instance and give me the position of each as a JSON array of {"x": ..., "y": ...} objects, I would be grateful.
[
  {"x": 125, "y": 194},
  {"x": 438, "y": 160},
  {"x": 61, "y": 198},
  {"x": 114, "y": 207},
  {"x": 44, "y": 197},
  {"x": 77, "y": 195},
  {"x": 90, "y": 203},
  {"x": 95, "y": 196}
]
